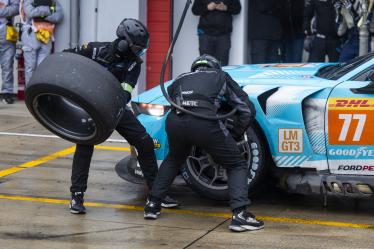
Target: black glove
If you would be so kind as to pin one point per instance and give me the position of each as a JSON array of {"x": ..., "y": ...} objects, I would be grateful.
[
  {"x": 237, "y": 134},
  {"x": 235, "y": 131},
  {"x": 118, "y": 70}
]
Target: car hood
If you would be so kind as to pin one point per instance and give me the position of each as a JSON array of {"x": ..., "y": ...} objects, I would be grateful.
[{"x": 277, "y": 75}]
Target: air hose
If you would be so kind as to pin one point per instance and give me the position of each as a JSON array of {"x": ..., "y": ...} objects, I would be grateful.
[{"x": 162, "y": 77}]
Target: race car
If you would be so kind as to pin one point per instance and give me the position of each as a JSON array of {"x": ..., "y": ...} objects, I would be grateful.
[{"x": 313, "y": 129}]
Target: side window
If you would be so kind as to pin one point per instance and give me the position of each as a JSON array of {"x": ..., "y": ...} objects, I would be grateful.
[{"x": 363, "y": 76}]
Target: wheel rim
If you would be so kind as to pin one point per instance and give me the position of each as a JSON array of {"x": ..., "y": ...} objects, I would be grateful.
[
  {"x": 213, "y": 176},
  {"x": 64, "y": 116}
]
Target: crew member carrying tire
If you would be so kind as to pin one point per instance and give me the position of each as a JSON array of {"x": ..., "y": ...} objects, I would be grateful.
[
  {"x": 203, "y": 90},
  {"x": 122, "y": 58}
]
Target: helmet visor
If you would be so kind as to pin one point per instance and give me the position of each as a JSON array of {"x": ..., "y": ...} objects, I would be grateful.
[{"x": 135, "y": 49}]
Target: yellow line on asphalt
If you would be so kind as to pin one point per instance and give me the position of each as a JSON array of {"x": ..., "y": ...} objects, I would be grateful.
[
  {"x": 193, "y": 213},
  {"x": 111, "y": 148},
  {"x": 51, "y": 157},
  {"x": 37, "y": 162}
]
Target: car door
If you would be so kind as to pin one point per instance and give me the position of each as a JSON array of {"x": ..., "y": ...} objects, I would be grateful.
[{"x": 349, "y": 127}]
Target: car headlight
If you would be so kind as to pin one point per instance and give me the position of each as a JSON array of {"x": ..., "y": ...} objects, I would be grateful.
[{"x": 150, "y": 109}]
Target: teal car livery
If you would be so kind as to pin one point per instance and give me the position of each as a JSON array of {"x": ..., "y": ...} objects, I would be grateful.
[{"x": 313, "y": 129}]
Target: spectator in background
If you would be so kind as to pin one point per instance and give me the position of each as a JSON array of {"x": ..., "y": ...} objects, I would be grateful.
[
  {"x": 8, "y": 39},
  {"x": 293, "y": 30},
  {"x": 264, "y": 30},
  {"x": 215, "y": 26},
  {"x": 326, "y": 40},
  {"x": 349, "y": 14},
  {"x": 39, "y": 18}
]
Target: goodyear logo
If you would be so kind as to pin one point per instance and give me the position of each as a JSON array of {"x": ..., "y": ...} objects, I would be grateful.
[{"x": 351, "y": 104}]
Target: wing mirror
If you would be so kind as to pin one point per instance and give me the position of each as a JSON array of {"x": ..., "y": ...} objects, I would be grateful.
[{"x": 369, "y": 89}]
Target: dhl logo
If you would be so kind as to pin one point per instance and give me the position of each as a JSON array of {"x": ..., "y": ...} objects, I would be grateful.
[{"x": 351, "y": 104}]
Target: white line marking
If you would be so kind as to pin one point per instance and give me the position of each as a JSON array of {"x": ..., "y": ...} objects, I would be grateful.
[{"x": 51, "y": 136}]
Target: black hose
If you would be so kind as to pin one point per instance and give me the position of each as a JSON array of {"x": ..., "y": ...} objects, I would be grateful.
[{"x": 162, "y": 77}]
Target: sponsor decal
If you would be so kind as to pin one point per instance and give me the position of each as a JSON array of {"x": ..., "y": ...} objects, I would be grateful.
[
  {"x": 351, "y": 104},
  {"x": 286, "y": 65},
  {"x": 138, "y": 172},
  {"x": 190, "y": 103},
  {"x": 157, "y": 145},
  {"x": 350, "y": 121},
  {"x": 356, "y": 153},
  {"x": 187, "y": 92},
  {"x": 290, "y": 141},
  {"x": 364, "y": 168}
]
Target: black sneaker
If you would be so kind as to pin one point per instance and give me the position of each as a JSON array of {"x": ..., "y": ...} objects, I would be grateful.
[
  {"x": 152, "y": 210},
  {"x": 7, "y": 98},
  {"x": 76, "y": 203},
  {"x": 245, "y": 221},
  {"x": 169, "y": 202}
]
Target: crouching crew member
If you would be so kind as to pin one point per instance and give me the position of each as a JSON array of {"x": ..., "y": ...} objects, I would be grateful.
[
  {"x": 203, "y": 90},
  {"x": 122, "y": 58}
]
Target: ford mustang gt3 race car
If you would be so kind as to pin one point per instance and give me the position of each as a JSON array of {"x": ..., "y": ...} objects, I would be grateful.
[{"x": 313, "y": 129}]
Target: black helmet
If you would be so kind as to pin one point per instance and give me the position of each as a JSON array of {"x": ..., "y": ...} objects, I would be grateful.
[
  {"x": 135, "y": 34},
  {"x": 206, "y": 60}
]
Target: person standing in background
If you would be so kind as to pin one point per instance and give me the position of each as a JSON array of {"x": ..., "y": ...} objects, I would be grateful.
[
  {"x": 326, "y": 41},
  {"x": 215, "y": 26},
  {"x": 349, "y": 14},
  {"x": 264, "y": 30},
  {"x": 39, "y": 18},
  {"x": 8, "y": 38},
  {"x": 293, "y": 30}
]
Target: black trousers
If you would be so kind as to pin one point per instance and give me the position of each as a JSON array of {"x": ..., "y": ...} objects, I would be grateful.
[
  {"x": 217, "y": 46},
  {"x": 185, "y": 131},
  {"x": 264, "y": 51},
  {"x": 133, "y": 131},
  {"x": 322, "y": 47}
]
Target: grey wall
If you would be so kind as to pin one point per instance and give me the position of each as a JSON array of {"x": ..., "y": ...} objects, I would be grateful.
[{"x": 62, "y": 34}]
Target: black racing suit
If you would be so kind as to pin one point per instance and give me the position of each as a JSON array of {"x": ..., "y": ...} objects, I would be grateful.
[
  {"x": 204, "y": 92},
  {"x": 127, "y": 71}
]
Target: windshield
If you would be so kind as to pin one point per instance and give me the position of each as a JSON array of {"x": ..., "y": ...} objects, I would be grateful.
[{"x": 334, "y": 72}]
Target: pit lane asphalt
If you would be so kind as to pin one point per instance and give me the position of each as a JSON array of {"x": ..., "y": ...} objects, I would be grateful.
[{"x": 34, "y": 192}]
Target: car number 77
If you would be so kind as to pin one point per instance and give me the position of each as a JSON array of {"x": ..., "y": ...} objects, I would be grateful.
[
  {"x": 350, "y": 121},
  {"x": 347, "y": 123}
]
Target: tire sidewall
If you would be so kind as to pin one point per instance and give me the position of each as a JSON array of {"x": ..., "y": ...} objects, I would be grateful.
[
  {"x": 83, "y": 82},
  {"x": 257, "y": 161},
  {"x": 103, "y": 129}
]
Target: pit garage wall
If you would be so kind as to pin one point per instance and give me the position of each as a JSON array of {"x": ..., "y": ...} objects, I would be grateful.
[{"x": 187, "y": 47}]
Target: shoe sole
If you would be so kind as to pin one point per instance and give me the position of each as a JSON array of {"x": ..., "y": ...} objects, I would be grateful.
[
  {"x": 170, "y": 205},
  {"x": 149, "y": 216},
  {"x": 244, "y": 228},
  {"x": 76, "y": 212}
]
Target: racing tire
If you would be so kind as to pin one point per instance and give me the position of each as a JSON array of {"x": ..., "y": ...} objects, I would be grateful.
[
  {"x": 75, "y": 98},
  {"x": 257, "y": 169}
]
